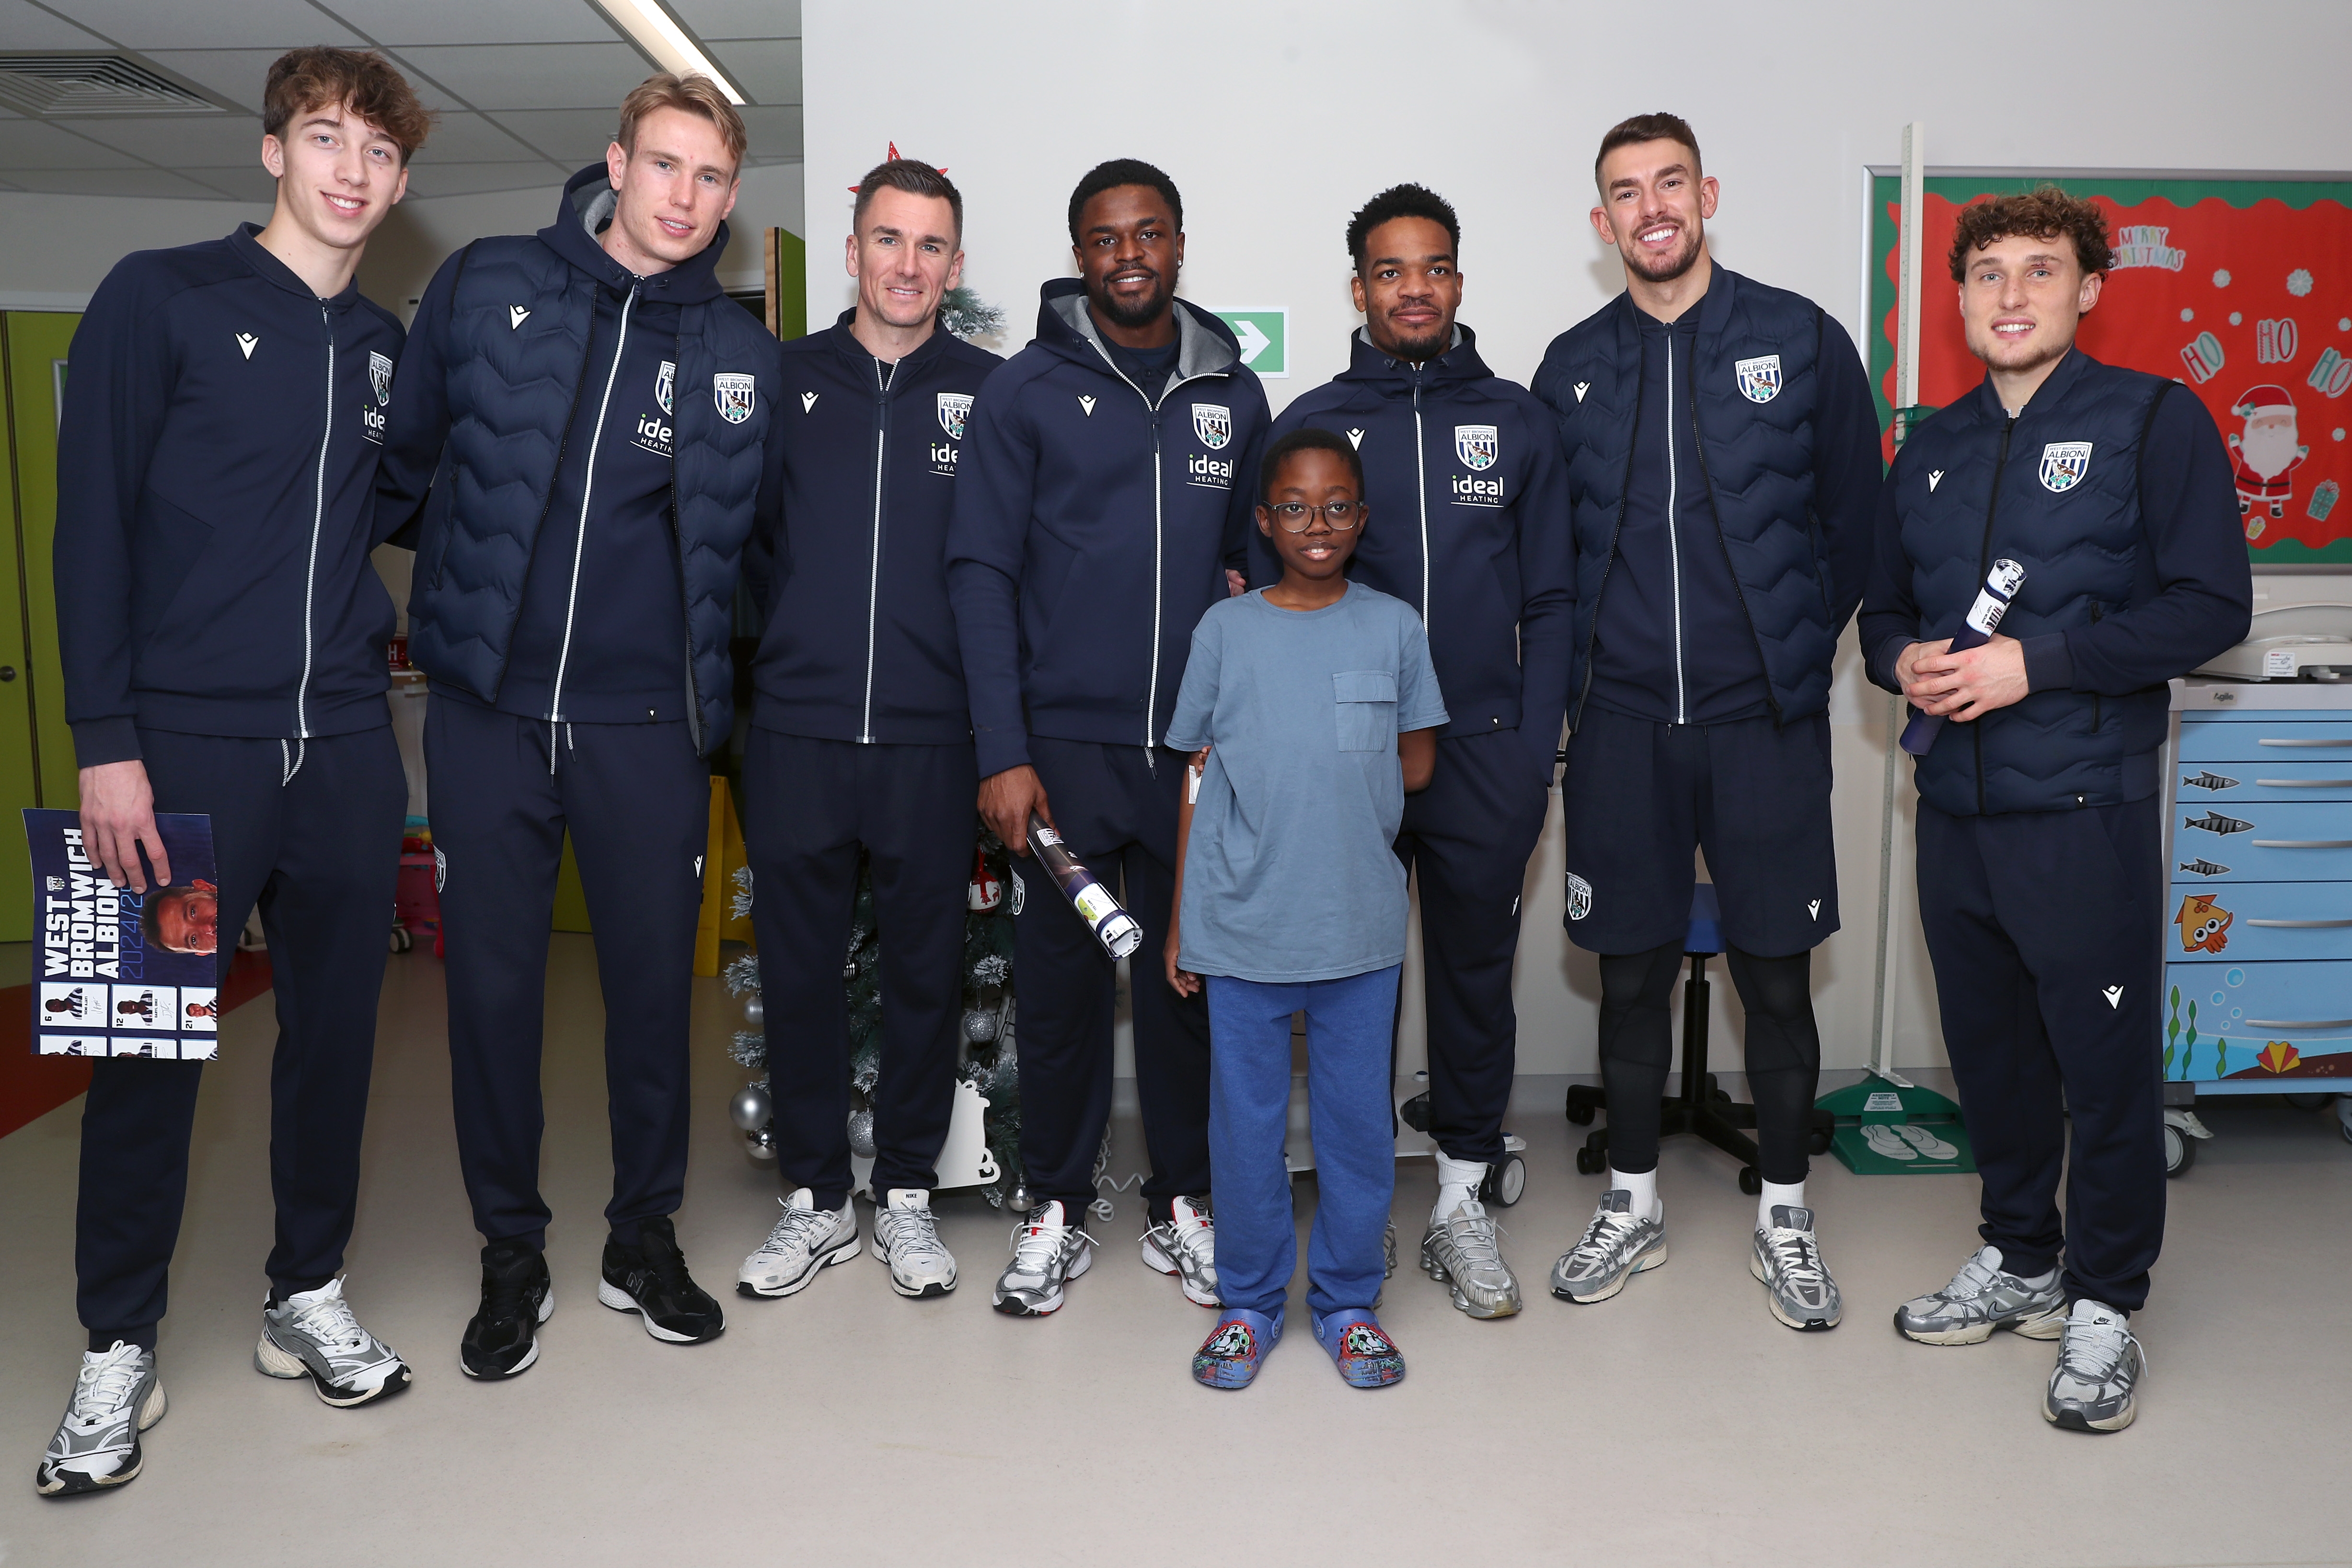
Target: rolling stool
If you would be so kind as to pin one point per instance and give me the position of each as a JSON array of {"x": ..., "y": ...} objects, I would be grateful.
[{"x": 1703, "y": 1107}]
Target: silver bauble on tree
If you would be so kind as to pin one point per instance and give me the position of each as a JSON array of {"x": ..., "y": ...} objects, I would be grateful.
[
  {"x": 861, "y": 1131},
  {"x": 755, "y": 1012},
  {"x": 1018, "y": 1198},
  {"x": 753, "y": 1107},
  {"x": 761, "y": 1145}
]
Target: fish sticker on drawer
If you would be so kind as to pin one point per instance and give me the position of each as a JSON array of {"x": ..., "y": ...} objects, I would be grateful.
[
  {"x": 2209, "y": 780},
  {"x": 2204, "y": 924},
  {"x": 2200, "y": 867},
  {"x": 2214, "y": 822}
]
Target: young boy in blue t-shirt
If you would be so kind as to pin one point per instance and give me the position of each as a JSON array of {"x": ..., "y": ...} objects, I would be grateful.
[{"x": 1312, "y": 708}]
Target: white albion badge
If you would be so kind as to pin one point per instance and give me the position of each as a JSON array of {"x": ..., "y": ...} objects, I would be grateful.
[
  {"x": 380, "y": 377},
  {"x": 732, "y": 392},
  {"x": 665, "y": 382},
  {"x": 1477, "y": 445},
  {"x": 1580, "y": 897},
  {"x": 2064, "y": 464},
  {"x": 1759, "y": 379},
  {"x": 1213, "y": 424},
  {"x": 955, "y": 407}
]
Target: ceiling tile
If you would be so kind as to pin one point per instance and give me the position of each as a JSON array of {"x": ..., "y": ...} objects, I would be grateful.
[
  {"x": 465, "y": 179},
  {"x": 711, "y": 19},
  {"x": 32, "y": 144},
  {"x": 237, "y": 75},
  {"x": 469, "y": 138},
  {"x": 767, "y": 69},
  {"x": 274, "y": 25},
  {"x": 540, "y": 76},
  {"x": 246, "y": 183},
  {"x": 394, "y": 23},
  {"x": 573, "y": 137},
  {"x": 215, "y": 142},
  {"x": 110, "y": 183},
  {"x": 775, "y": 133},
  {"x": 24, "y": 27}
]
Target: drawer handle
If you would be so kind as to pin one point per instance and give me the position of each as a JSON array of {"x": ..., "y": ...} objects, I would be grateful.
[
  {"x": 2303, "y": 843},
  {"x": 2305, "y": 783},
  {"x": 2300, "y": 741},
  {"x": 2300, "y": 1022},
  {"x": 2301, "y": 925}
]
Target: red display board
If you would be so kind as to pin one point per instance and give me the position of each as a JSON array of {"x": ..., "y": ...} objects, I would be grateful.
[{"x": 2240, "y": 289}]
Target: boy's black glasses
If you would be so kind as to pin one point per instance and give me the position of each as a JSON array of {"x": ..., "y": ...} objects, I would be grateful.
[{"x": 1292, "y": 515}]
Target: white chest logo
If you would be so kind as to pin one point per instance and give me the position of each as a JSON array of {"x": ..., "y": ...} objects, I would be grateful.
[
  {"x": 1934, "y": 477},
  {"x": 2064, "y": 464},
  {"x": 808, "y": 401},
  {"x": 1088, "y": 404},
  {"x": 1813, "y": 908},
  {"x": 664, "y": 383},
  {"x": 1356, "y": 439},
  {"x": 380, "y": 377},
  {"x": 955, "y": 408},
  {"x": 1581, "y": 388},
  {"x": 2115, "y": 996},
  {"x": 1759, "y": 379},
  {"x": 1477, "y": 445},
  {"x": 516, "y": 316},
  {"x": 1213, "y": 424},
  {"x": 246, "y": 342},
  {"x": 733, "y": 393}
]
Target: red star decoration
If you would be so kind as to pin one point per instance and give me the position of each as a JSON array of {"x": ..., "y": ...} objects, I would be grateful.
[{"x": 894, "y": 155}]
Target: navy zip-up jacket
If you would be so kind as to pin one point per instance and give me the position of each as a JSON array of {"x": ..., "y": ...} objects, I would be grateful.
[
  {"x": 860, "y": 641},
  {"x": 2112, "y": 490},
  {"x": 1469, "y": 526},
  {"x": 506, "y": 356},
  {"x": 216, "y": 464},
  {"x": 1093, "y": 529}
]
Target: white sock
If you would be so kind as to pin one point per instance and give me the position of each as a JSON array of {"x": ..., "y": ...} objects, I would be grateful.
[
  {"x": 1457, "y": 1183},
  {"x": 1644, "y": 1188},
  {"x": 1792, "y": 1195},
  {"x": 2039, "y": 1280}
]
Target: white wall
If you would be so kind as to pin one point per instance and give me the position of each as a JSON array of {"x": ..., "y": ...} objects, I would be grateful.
[{"x": 1276, "y": 121}]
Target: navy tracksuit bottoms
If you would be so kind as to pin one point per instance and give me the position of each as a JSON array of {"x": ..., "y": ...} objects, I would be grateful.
[
  {"x": 319, "y": 853},
  {"x": 809, "y": 805},
  {"x": 1466, "y": 840},
  {"x": 636, "y": 801},
  {"x": 2046, "y": 929},
  {"x": 1116, "y": 809}
]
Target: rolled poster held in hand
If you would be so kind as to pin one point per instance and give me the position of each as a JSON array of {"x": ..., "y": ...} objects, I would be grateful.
[
  {"x": 2001, "y": 585},
  {"x": 1113, "y": 926}
]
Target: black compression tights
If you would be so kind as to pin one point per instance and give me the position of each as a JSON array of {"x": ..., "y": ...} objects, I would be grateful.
[{"x": 1784, "y": 1053}]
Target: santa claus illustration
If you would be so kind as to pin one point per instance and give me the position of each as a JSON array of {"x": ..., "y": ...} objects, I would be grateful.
[{"x": 2265, "y": 453}]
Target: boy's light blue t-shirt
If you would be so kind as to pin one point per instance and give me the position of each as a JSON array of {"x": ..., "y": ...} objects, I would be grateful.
[{"x": 1290, "y": 874}]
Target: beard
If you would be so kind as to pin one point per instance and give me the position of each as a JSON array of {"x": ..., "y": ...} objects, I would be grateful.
[
  {"x": 1132, "y": 313},
  {"x": 2269, "y": 451},
  {"x": 1419, "y": 350},
  {"x": 1666, "y": 269}
]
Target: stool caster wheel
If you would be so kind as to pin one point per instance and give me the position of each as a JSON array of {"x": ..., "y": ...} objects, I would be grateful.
[
  {"x": 1507, "y": 1183},
  {"x": 2180, "y": 1152},
  {"x": 1588, "y": 1162},
  {"x": 1817, "y": 1142},
  {"x": 1749, "y": 1181},
  {"x": 1580, "y": 1104}
]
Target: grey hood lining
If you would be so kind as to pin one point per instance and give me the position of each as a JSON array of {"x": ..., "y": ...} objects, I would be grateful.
[{"x": 1199, "y": 350}]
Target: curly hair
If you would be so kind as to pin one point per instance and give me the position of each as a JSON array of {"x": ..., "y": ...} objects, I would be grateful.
[
  {"x": 1396, "y": 202},
  {"x": 2043, "y": 213},
  {"x": 1120, "y": 172},
  {"x": 303, "y": 79}
]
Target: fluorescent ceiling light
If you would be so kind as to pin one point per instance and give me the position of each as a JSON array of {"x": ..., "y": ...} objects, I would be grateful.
[{"x": 653, "y": 29}]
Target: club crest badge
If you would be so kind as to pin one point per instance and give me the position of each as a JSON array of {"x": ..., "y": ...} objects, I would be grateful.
[
  {"x": 665, "y": 382},
  {"x": 1213, "y": 424},
  {"x": 1759, "y": 379},
  {"x": 732, "y": 392},
  {"x": 954, "y": 408},
  {"x": 2064, "y": 464},
  {"x": 1477, "y": 445},
  {"x": 380, "y": 377},
  {"x": 1580, "y": 897}
]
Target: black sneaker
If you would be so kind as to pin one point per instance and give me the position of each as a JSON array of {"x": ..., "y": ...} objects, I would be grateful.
[
  {"x": 650, "y": 1279},
  {"x": 502, "y": 1338}
]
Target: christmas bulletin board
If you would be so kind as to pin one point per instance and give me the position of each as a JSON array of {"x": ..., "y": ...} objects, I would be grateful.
[{"x": 2237, "y": 287}]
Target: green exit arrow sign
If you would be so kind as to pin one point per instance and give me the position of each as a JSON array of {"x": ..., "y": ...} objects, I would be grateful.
[{"x": 1265, "y": 337}]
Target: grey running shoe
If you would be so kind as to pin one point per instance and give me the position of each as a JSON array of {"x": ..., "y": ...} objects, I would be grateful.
[
  {"x": 314, "y": 1335},
  {"x": 116, "y": 1397},
  {"x": 1797, "y": 1283},
  {"x": 1047, "y": 1253},
  {"x": 2099, "y": 1364},
  {"x": 1463, "y": 1250},
  {"x": 1615, "y": 1246},
  {"x": 1983, "y": 1297},
  {"x": 805, "y": 1239},
  {"x": 908, "y": 1239},
  {"x": 1387, "y": 1251},
  {"x": 1185, "y": 1245}
]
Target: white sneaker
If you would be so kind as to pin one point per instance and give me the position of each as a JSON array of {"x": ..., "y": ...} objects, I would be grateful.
[
  {"x": 116, "y": 1397},
  {"x": 1884, "y": 1140},
  {"x": 805, "y": 1239},
  {"x": 908, "y": 1239},
  {"x": 1185, "y": 1245},
  {"x": 314, "y": 1335},
  {"x": 1048, "y": 1252}
]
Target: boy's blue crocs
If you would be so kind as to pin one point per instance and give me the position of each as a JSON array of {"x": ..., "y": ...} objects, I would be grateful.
[
  {"x": 1229, "y": 1357},
  {"x": 1361, "y": 1348}
]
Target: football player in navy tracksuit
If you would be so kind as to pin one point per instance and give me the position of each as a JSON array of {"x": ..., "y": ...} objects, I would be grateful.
[
  {"x": 2041, "y": 880},
  {"x": 594, "y": 416},
  {"x": 1105, "y": 497},
  {"x": 861, "y": 739},
  {"x": 1723, "y": 451},
  {"x": 221, "y": 634},
  {"x": 1463, "y": 469}
]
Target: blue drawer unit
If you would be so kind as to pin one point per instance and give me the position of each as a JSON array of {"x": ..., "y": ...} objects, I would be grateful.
[{"x": 2258, "y": 955}]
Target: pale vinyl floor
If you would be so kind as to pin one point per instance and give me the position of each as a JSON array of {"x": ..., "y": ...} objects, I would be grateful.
[{"x": 1676, "y": 1425}]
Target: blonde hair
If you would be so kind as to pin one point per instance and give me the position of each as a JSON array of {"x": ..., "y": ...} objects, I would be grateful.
[{"x": 696, "y": 94}]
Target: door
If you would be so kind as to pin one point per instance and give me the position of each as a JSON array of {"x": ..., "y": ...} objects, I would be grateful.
[{"x": 37, "y": 763}]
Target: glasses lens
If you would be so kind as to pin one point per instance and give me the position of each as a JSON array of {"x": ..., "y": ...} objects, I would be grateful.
[{"x": 1293, "y": 515}]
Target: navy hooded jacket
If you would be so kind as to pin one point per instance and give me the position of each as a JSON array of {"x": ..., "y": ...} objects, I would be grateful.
[
  {"x": 216, "y": 461},
  {"x": 2111, "y": 488},
  {"x": 1093, "y": 529},
  {"x": 1469, "y": 526},
  {"x": 860, "y": 642},
  {"x": 1790, "y": 456},
  {"x": 503, "y": 352}
]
